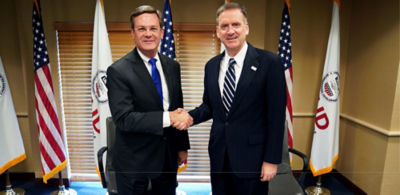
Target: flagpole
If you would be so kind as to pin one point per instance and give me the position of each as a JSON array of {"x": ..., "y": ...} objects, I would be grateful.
[
  {"x": 9, "y": 190},
  {"x": 318, "y": 189},
  {"x": 61, "y": 188}
]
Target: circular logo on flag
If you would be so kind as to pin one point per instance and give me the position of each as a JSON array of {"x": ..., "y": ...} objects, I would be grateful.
[
  {"x": 330, "y": 86},
  {"x": 99, "y": 87},
  {"x": 2, "y": 85}
]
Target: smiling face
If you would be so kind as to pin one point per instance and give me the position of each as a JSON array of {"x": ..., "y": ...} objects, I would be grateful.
[
  {"x": 147, "y": 33},
  {"x": 232, "y": 30}
]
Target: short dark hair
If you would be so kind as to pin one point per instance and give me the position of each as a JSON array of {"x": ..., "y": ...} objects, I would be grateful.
[
  {"x": 142, "y": 10},
  {"x": 232, "y": 5}
]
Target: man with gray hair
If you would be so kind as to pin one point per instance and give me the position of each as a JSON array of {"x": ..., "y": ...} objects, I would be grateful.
[{"x": 245, "y": 95}]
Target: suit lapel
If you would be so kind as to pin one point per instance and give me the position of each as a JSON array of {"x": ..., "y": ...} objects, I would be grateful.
[
  {"x": 215, "y": 91},
  {"x": 249, "y": 71},
  {"x": 141, "y": 71},
  {"x": 169, "y": 75}
]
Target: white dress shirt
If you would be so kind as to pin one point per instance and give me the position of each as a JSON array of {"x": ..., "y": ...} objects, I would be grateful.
[
  {"x": 239, "y": 58},
  {"x": 166, "y": 119}
]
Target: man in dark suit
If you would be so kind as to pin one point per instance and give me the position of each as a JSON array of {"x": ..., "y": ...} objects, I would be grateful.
[
  {"x": 245, "y": 95},
  {"x": 143, "y": 89}
]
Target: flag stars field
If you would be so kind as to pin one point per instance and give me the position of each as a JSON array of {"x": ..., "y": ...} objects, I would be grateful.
[{"x": 168, "y": 46}]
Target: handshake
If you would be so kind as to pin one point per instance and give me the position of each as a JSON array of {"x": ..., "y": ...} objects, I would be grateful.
[{"x": 180, "y": 119}]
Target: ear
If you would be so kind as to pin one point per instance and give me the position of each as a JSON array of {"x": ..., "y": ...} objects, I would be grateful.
[
  {"x": 218, "y": 32},
  {"x": 133, "y": 34},
  {"x": 247, "y": 29},
  {"x": 162, "y": 32}
]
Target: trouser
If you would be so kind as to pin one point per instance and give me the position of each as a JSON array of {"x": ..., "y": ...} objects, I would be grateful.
[
  {"x": 227, "y": 183},
  {"x": 165, "y": 184},
  {"x": 131, "y": 184}
]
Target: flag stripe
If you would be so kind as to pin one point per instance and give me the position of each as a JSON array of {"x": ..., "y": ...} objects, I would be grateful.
[
  {"x": 289, "y": 79},
  {"x": 47, "y": 74},
  {"x": 48, "y": 122},
  {"x": 45, "y": 168},
  {"x": 50, "y": 144},
  {"x": 47, "y": 99},
  {"x": 48, "y": 159},
  {"x": 290, "y": 129},
  {"x": 48, "y": 139}
]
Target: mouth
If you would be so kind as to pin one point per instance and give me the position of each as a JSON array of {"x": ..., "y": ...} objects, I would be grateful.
[
  {"x": 231, "y": 38},
  {"x": 148, "y": 41}
]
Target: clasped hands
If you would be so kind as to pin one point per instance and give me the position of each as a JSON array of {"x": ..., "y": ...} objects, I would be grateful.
[{"x": 180, "y": 119}]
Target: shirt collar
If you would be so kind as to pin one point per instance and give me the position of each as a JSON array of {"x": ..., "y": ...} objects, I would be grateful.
[
  {"x": 239, "y": 58},
  {"x": 146, "y": 59}
]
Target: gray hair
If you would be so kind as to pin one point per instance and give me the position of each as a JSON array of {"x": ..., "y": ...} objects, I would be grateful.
[{"x": 232, "y": 5}]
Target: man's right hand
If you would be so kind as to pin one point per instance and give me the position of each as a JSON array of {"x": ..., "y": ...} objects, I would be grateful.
[{"x": 180, "y": 119}]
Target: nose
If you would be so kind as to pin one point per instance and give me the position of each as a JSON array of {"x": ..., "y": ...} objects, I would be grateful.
[
  {"x": 148, "y": 33},
  {"x": 230, "y": 29}
]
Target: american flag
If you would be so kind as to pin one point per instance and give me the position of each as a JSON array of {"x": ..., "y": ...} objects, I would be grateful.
[
  {"x": 52, "y": 151},
  {"x": 168, "y": 46},
  {"x": 285, "y": 53},
  {"x": 168, "y": 43}
]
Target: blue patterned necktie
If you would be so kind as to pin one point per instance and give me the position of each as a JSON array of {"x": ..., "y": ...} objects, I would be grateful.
[
  {"x": 229, "y": 86},
  {"x": 155, "y": 75}
]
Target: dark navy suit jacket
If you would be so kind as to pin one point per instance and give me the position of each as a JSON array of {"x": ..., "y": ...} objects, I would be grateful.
[
  {"x": 252, "y": 132},
  {"x": 141, "y": 143}
]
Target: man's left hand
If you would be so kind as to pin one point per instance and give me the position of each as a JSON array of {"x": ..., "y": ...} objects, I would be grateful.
[
  {"x": 268, "y": 171},
  {"x": 182, "y": 156}
]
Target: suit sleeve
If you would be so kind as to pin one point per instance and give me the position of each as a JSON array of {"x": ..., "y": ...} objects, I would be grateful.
[
  {"x": 123, "y": 109},
  {"x": 204, "y": 111},
  {"x": 182, "y": 136},
  {"x": 276, "y": 108}
]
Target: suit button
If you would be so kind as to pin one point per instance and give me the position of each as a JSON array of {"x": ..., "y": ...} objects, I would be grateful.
[
  {"x": 226, "y": 123},
  {"x": 164, "y": 138}
]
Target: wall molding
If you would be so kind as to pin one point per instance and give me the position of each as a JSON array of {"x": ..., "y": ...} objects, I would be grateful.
[
  {"x": 303, "y": 114},
  {"x": 356, "y": 121},
  {"x": 22, "y": 114},
  {"x": 371, "y": 126}
]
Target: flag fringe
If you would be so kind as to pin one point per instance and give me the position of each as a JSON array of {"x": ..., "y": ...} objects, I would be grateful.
[
  {"x": 12, "y": 163},
  {"x": 183, "y": 168},
  {"x": 57, "y": 169},
  {"x": 323, "y": 170},
  {"x": 98, "y": 174}
]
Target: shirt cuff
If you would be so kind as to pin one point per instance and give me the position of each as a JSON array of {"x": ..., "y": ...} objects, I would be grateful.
[{"x": 166, "y": 120}]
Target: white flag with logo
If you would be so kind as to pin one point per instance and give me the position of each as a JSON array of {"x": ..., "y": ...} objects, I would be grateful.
[
  {"x": 11, "y": 146},
  {"x": 101, "y": 59},
  {"x": 324, "y": 152}
]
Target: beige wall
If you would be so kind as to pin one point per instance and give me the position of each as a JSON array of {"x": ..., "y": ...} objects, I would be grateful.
[
  {"x": 20, "y": 79},
  {"x": 373, "y": 62},
  {"x": 369, "y": 155},
  {"x": 362, "y": 154},
  {"x": 370, "y": 83}
]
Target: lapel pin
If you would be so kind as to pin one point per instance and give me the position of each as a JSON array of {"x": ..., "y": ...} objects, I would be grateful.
[{"x": 253, "y": 68}]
